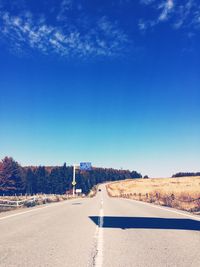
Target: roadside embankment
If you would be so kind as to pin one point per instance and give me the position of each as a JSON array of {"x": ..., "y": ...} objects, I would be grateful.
[
  {"x": 8, "y": 203},
  {"x": 180, "y": 193}
]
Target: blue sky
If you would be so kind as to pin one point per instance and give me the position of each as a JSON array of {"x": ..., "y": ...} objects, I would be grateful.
[{"x": 116, "y": 83}]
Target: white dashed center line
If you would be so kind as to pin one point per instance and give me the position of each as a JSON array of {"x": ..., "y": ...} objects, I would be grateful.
[{"x": 99, "y": 237}]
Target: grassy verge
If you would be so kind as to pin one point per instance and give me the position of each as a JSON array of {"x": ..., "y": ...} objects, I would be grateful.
[
  {"x": 93, "y": 191},
  {"x": 3, "y": 209},
  {"x": 181, "y": 193},
  {"x": 39, "y": 200}
]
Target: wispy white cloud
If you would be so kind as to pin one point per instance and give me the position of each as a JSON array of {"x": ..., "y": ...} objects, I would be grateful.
[
  {"x": 143, "y": 25},
  {"x": 187, "y": 15},
  {"x": 166, "y": 7},
  {"x": 24, "y": 32},
  {"x": 65, "y": 6},
  {"x": 147, "y": 2},
  {"x": 68, "y": 28},
  {"x": 179, "y": 13}
]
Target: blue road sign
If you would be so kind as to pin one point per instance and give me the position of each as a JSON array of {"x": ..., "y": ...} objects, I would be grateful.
[{"x": 85, "y": 166}]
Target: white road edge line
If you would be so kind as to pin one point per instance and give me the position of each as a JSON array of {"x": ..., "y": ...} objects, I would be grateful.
[
  {"x": 99, "y": 236},
  {"x": 164, "y": 208},
  {"x": 20, "y": 213}
]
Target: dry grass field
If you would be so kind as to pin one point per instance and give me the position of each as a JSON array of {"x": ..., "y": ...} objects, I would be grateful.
[{"x": 181, "y": 193}]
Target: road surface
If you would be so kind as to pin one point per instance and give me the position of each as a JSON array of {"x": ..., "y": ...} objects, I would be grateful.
[{"x": 101, "y": 231}]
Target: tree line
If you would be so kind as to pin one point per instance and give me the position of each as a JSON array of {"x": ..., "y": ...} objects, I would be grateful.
[
  {"x": 185, "y": 174},
  {"x": 15, "y": 179}
]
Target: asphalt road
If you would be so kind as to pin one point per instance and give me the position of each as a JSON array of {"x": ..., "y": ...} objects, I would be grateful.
[{"x": 101, "y": 231}]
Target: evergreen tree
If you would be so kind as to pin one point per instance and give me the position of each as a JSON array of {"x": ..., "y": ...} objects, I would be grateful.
[
  {"x": 11, "y": 176},
  {"x": 31, "y": 187},
  {"x": 41, "y": 179}
]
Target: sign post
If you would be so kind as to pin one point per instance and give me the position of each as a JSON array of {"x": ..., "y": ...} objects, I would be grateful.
[
  {"x": 78, "y": 191},
  {"x": 84, "y": 166},
  {"x": 74, "y": 179}
]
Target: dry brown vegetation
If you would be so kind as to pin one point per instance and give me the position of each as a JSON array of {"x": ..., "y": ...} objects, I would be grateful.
[
  {"x": 8, "y": 203},
  {"x": 181, "y": 193}
]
